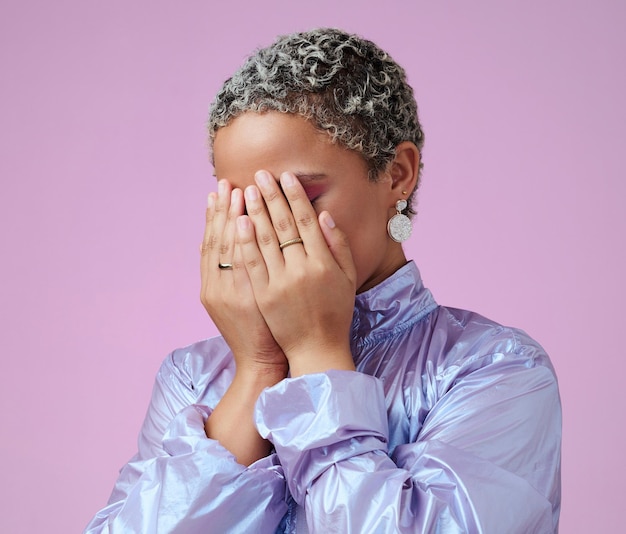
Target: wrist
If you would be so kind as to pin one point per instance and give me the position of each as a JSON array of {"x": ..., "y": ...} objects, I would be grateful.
[
  {"x": 320, "y": 360},
  {"x": 257, "y": 376}
]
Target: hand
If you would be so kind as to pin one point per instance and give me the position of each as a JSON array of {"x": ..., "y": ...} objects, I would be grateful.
[
  {"x": 305, "y": 291},
  {"x": 227, "y": 294}
]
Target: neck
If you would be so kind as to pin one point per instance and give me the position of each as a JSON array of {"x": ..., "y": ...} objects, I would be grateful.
[{"x": 393, "y": 261}]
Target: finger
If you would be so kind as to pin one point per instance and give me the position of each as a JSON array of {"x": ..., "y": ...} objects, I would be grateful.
[
  {"x": 206, "y": 244},
  {"x": 278, "y": 208},
  {"x": 264, "y": 231},
  {"x": 227, "y": 241},
  {"x": 210, "y": 214},
  {"x": 241, "y": 280},
  {"x": 338, "y": 245},
  {"x": 303, "y": 214},
  {"x": 216, "y": 215},
  {"x": 255, "y": 265}
]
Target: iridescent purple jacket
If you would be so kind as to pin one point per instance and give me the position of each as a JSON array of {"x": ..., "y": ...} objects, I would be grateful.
[{"x": 452, "y": 423}]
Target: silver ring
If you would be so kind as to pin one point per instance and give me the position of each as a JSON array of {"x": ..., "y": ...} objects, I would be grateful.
[
  {"x": 225, "y": 266},
  {"x": 290, "y": 242}
]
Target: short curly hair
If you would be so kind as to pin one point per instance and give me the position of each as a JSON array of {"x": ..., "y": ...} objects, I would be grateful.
[{"x": 346, "y": 85}]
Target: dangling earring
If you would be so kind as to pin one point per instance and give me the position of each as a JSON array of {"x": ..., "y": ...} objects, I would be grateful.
[{"x": 399, "y": 226}]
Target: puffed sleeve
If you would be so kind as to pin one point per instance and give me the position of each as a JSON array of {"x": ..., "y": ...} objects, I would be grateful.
[
  {"x": 181, "y": 481},
  {"x": 486, "y": 459}
]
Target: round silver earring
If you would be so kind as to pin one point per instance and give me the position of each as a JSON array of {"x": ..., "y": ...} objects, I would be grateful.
[{"x": 399, "y": 226}]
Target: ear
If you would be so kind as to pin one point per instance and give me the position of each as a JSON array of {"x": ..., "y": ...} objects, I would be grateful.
[{"x": 404, "y": 170}]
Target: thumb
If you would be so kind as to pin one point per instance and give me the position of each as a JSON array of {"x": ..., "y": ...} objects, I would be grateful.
[{"x": 338, "y": 244}]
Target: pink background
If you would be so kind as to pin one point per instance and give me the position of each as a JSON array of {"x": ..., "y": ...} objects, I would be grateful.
[{"x": 104, "y": 178}]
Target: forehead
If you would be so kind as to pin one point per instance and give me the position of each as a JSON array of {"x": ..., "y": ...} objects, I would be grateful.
[{"x": 276, "y": 142}]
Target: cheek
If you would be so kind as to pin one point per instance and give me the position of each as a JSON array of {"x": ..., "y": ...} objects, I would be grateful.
[
  {"x": 367, "y": 237},
  {"x": 363, "y": 225}
]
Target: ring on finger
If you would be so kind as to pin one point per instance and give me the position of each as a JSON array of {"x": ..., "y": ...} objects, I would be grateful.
[
  {"x": 225, "y": 266},
  {"x": 290, "y": 242}
]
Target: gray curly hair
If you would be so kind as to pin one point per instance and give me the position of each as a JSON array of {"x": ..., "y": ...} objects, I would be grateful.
[{"x": 346, "y": 85}]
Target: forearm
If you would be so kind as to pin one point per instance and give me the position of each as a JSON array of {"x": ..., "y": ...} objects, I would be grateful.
[
  {"x": 232, "y": 421},
  {"x": 193, "y": 486}
]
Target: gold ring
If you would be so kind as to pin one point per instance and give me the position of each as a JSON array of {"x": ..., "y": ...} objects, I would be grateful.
[
  {"x": 225, "y": 266},
  {"x": 290, "y": 242}
]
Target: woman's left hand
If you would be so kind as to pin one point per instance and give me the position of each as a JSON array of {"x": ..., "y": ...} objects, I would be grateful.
[{"x": 305, "y": 291}]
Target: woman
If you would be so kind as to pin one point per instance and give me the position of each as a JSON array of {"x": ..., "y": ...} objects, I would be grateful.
[{"x": 340, "y": 397}]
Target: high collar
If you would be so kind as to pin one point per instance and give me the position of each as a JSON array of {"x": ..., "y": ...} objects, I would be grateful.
[{"x": 391, "y": 306}]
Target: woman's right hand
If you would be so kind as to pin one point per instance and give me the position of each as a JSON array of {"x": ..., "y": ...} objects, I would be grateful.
[
  {"x": 227, "y": 293},
  {"x": 227, "y": 296}
]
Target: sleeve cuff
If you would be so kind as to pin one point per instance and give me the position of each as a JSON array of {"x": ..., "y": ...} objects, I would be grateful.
[{"x": 317, "y": 420}]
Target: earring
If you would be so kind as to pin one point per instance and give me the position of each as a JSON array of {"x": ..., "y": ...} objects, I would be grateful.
[{"x": 399, "y": 226}]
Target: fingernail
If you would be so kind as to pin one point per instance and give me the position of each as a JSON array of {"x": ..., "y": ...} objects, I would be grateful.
[
  {"x": 234, "y": 195},
  {"x": 288, "y": 179},
  {"x": 262, "y": 178},
  {"x": 221, "y": 187},
  {"x": 210, "y": 201},
  {"x": 328, "y": 220},
  {"x": 243, "y": 223},
  {"x": 252, "y": 193}
]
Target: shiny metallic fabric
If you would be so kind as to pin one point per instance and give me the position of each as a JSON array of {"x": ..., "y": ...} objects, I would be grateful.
[{"x": 451, "y": 424}]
